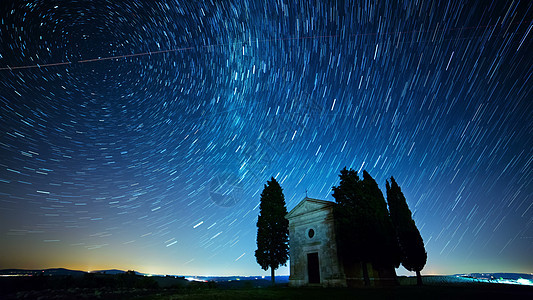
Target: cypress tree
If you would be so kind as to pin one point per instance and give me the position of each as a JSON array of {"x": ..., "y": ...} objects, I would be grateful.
[
  {"x": 353, "y": 225},
  {"x": 272, "y": 229},
  {"x": 386, "y": 252},
  {"x": 363, "y": 226},
  {"x": 413, "y": 253}
]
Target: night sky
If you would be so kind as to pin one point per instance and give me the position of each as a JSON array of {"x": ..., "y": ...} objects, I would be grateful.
[{"x": 139, "y": 136}]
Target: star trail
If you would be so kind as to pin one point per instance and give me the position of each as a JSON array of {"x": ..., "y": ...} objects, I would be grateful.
[{"x": 140, "y": 135}]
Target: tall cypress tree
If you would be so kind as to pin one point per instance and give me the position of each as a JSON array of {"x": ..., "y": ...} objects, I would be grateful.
[
  {"x": 353, "y": 224},
  {"x": 386, "y": 253},
  {"x": 272, "y": 229},
  {"x": 363, "y": 226},
  {"x": 413, "y": 252}
]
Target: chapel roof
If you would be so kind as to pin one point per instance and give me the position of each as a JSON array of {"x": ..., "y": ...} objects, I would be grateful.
[{"x": 307, "y": 205}]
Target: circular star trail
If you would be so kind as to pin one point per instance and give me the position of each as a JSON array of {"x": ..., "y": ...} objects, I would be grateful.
[{"x": 140, "y": 135}]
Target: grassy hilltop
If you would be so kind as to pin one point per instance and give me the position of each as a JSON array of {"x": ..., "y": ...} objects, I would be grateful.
[{"x": 131, "y": 286}]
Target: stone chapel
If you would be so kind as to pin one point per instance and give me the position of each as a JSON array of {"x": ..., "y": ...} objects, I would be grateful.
[{"x": 313, "y": 249}]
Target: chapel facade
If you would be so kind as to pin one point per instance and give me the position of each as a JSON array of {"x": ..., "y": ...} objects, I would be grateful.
[{"x": 314, "y": 259}]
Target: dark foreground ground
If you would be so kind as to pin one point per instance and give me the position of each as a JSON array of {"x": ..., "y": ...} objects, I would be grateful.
[
  {"x": 410, "y": 292},
  {"x": 142, "y": 288}
]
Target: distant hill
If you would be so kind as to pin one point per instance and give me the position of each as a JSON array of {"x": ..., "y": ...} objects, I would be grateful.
[
  {"x": 58, "y": 272},
  {"x": 513, "y": 278},
  {"x": 46, "y": 272},
  {"x": 114, "y": 272},
  {"x": 110, "y": 272}
]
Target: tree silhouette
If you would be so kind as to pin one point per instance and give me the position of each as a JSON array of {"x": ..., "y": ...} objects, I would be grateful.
[
  {"x": 386, "y": 252},
  {"x": 352, "y": 221},
  {"x": 362, "y": 223},
  {"x": 272, "y": 229},
  {"x": 413, "y": 253}
]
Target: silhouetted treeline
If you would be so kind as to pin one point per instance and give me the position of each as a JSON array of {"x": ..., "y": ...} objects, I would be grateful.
[{"x": 369, "y": 233}]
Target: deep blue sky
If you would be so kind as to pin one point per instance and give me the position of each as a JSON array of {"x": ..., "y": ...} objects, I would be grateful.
[{"x": 155, "y": 161}]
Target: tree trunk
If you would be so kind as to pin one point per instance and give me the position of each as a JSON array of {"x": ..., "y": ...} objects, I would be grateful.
[
  {"x": 395, "y": 277},
  {"x": 418, "y": 278},
  {"x": 272, "y": 277},
  {"x": 365, "y": 274}
]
